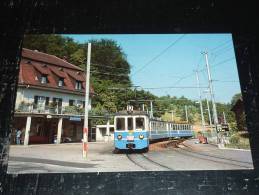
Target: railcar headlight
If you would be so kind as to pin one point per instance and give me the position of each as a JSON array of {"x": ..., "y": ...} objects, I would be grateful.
[
  {"x": 119, "y": 137},
  {"x": 141, "y": 136}
]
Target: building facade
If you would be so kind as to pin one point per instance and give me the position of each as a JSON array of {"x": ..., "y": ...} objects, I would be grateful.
[{"x": 50, "y": 99}]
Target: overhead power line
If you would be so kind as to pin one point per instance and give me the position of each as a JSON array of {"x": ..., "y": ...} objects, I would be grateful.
[
  {"x": 105, "y": 73},
  {"x": 158, "y": 100},
  {"x": 226, "y": 81},
  {"x": 104, "y": 66},
  {"x": 177, "y": 87},
  {"x": 217, "y": 64},
  {"x": 224, "y": 43},
  {"x": 157, "y": 56},
  {"x": 222, "y": 51}
]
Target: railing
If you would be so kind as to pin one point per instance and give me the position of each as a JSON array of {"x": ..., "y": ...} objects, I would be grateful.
[
  {"x": 42, "y": 109},
  {"x": 61, "y": 110}
]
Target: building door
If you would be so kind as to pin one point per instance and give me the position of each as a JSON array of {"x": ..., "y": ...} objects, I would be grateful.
[{"x": 92, "y": 136}]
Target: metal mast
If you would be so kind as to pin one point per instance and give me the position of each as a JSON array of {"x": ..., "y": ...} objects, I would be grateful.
[{"x": 200, "y": 101}]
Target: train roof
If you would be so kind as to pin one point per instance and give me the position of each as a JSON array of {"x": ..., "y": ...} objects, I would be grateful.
[{"x": 135, "y": 112}]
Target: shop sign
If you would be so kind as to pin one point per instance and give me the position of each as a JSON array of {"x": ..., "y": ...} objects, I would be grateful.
[{"x": 74, "y": 118}]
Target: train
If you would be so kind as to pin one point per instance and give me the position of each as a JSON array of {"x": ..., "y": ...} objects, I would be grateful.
[{"x": 135, "y": 130}]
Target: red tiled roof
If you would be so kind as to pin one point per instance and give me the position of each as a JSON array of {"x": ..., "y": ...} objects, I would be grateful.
[
  {"x": 47, "y": 58},
  {"x": 43, "y": 69},
  {"x": 58, "y": 71},
  {"x": 34, "y": 64},
  {"x": 76, "y": 75}
]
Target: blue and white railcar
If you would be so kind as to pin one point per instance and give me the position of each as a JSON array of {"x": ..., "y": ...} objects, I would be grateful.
[
  {"x": 162, "y": 129},
  {"x": 134, "y": 130},
  {"x": 131, "y": 131}
]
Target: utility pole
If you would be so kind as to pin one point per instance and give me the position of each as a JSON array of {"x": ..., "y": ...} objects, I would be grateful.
[
  {"x": 208, "y": 108},
  {"x": 224, "y": 116},
  {"x": 186, "y": 114},
  {"x": 151, "y": 109},
  {"x": 200, "y": 100},
  {"x": 87, "y": 83},
  {"x": 172, "y": 115},
  {"x": 215, "y": 115}
]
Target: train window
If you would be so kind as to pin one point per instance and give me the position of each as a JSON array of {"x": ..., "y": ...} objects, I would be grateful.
[
  {"x": 140, "y": 123},
  {"x": 120, "y": 124},
  {"x": 130, "y": 123}
]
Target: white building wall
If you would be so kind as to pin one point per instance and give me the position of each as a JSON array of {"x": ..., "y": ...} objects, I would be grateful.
[
  {"x": 101, "y": 133},
  {"x": 27, "y": 95}
]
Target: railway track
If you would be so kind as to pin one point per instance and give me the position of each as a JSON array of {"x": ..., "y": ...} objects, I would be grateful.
[
  {"x": 214, "y": 158},
  {"x": 146, "y": 163}
]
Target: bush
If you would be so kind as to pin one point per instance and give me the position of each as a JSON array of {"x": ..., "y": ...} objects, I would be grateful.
[{"x": 234, "y": 139}]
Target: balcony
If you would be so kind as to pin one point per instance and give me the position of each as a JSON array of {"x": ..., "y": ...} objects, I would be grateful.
[
  {"x": 52, "y": 109},
  {"x": 29, "y": 108}
]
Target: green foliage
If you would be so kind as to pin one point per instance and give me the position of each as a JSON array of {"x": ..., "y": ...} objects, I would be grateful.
[
  {"x": 234, "y": 139},
  {"x": 238, "y": 140},
  {"x": 73, "y": 110},
  {"x": 109, "y": 62},
  {"x": 78, "y": 57},
  {"x": 51, "y": 44}
]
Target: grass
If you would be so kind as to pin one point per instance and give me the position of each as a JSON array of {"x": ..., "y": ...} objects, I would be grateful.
[{"x": 239, "y": 141}]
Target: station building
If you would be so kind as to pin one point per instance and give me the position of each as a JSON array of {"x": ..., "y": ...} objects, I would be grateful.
[{"x": 50, "y": 100}]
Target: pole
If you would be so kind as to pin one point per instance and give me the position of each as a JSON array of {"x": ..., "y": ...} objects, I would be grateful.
[
  {"x": 201, "y": 108},
  {"x": 215, "y": 115},
  {"x": 151, "y": 109},
  {"x": 143, "y": 107},
  {"x": 87, "y": 84},
  {"x": 208, "y": 107},
  {"x": 186, "y": 114},
  {"x": 224, "y": 116},
  {"x": 172, "y": 115}
]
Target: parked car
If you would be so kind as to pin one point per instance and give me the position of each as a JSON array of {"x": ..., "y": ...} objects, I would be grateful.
[{"x": 64, "y": 139}]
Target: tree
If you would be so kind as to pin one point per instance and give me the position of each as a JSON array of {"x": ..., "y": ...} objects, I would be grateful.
[{"x": 109, "y": 62}]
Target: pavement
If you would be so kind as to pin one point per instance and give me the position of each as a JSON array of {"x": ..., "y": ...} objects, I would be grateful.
[
  {"x": 59, "y": 158},
  {"x": 67, "y": 158}
]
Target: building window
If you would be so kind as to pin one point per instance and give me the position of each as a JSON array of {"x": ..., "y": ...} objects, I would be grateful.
[
  {"x": 71, "y": 102},
  {"x": 80, "y": 103},
  {"x": 47, "y": 101},
  {"x": 61, "y": 82},
  {"x": 40, "y": 101},
  {"x": 44, "y": 79},
  {"x": 78, "y": 85}
]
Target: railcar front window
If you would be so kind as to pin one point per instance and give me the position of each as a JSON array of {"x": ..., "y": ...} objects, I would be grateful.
[
  {"x": 130, "y": 123},
  {"x": 120, "y": 124},
  {"x": 140, "y": 123}
]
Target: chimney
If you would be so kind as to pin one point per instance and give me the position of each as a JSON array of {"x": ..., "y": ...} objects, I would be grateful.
[{"x": 64, "y": 58}]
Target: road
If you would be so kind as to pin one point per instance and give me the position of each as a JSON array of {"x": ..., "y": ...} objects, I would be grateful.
[{"x": 68, "y": 158}]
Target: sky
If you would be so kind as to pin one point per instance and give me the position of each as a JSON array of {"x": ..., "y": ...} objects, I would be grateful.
[{"x": 167, "y": 62}]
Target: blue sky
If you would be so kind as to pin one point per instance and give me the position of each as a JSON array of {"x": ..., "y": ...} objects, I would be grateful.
[{"x": 158, "y": 62}]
